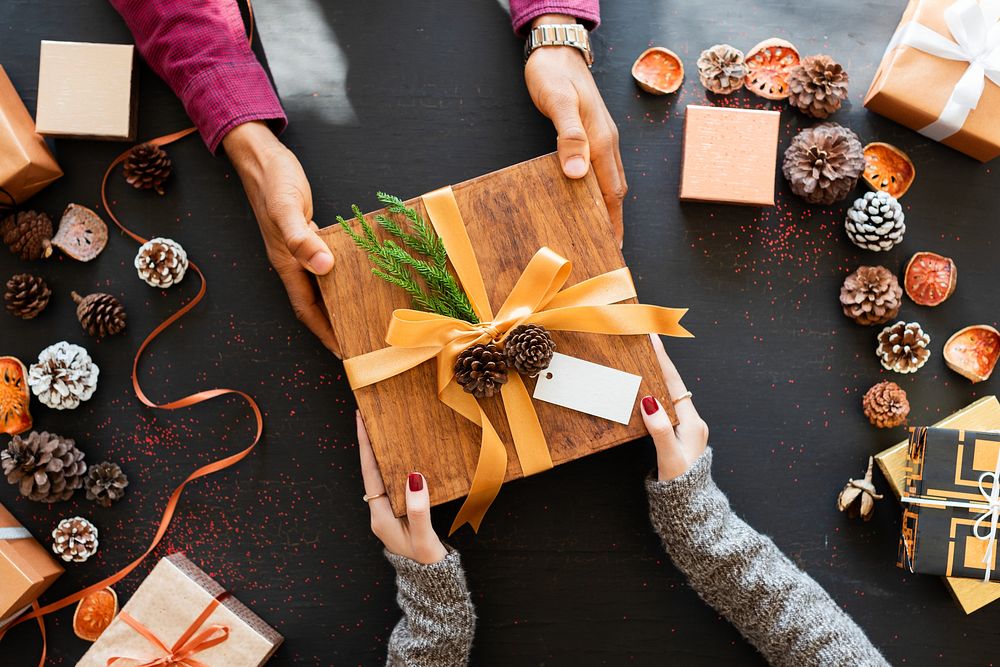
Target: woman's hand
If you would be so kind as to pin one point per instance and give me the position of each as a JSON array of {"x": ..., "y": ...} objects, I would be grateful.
[
  {"x": 282, "y": 202},
  {"x": 563, "y": 89},
  {"x": 412, "y": 537},
  {"x": 676, "y": 448}
]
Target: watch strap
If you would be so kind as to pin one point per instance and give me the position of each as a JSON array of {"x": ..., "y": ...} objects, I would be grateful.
[{"x": 560, "y": 34}]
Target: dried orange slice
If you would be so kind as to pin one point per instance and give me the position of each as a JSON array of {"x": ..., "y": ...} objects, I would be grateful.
[
  {"x": 768, "y": 65},
  {"x": 94, "y": 614},
  {"x": 888, "y": 169},
  {"x": 658, "y": 70},
  {"x": 14, "y": 397},
  {"x": 930, "y": 278},
  {"x": 973, "y": 352}
]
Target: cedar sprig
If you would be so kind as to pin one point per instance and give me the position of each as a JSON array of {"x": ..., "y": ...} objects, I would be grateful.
[{"x": 395, "y": 265}]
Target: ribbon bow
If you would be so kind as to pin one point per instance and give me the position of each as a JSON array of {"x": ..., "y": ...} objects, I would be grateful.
[
  {"x": 186, "y": 646},
  {"x": 537, "y": 298},
  {"x": 976, "y": 32}
]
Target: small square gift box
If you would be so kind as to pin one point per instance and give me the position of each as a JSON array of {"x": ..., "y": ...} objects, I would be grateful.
[
  {"x": 951, "y": 503},
  {"x": 940, "y": 74},
  {"x": 86, "y": 91},
  {"x": 179, "y": 615},
  {"x": 26, "y": 568},
  {"x": 26, "y": 164}
]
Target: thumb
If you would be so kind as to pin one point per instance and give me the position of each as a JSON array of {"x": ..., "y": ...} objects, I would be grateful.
[
  {"x": 670, "y": 462},
  {"x": 301, "y": 239},
  {"x": 427, "y": 548},
  {"x": 571, "y": 141}
]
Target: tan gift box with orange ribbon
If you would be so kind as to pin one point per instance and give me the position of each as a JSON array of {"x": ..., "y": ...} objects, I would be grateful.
[
  {"x": 26, "y": 164},
  {"x": 26, "y": 567},
  {"x": 940, "y": 74}
]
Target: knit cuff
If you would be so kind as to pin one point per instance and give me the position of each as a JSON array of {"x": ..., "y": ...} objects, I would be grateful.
[
  {"x": 524, "y": 12},
  {"x": 444, "y": 580},
  {"x": 675, "y": 498}
]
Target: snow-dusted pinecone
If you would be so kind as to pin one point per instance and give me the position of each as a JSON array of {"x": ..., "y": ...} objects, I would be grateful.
[
  {"x": 74, "y": 539},
  {"x": 63, "y": 376},
  {"x": 161, "y": 262},
  {"x": 875, "y": 221}
]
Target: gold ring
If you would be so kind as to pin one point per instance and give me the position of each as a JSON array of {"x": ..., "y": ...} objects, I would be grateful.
[
  {"x": 686, "y": 395},
  {"x": 373, "y": 496}
]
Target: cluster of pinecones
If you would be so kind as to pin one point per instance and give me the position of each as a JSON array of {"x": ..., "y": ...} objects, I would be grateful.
[{"x": 482, "y": 369}]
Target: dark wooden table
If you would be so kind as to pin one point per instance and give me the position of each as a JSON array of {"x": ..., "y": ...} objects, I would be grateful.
[{"x": 566, "y": 570}]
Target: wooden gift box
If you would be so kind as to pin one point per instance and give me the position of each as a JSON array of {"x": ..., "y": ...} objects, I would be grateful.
[{"x": 509, "y": 215}]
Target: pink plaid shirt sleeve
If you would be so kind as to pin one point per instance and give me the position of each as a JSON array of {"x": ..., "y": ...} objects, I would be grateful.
[
  {"x": 200, "y": 48},
  {"x": 523, "y": 11}
]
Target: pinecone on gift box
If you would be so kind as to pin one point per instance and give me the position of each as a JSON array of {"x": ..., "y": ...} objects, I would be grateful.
[
  {"x": 63, "y": 376},
  {"x": 529, "y": 349},
  {"x": 28, "y": 234},
  {"x": 26, "y": 296},
  {"x": 105, "y": 483},
  {"x": 74, "y": 539},
  {"x": 902, "y": 347},
  {"x": 875, "y": 221},
  {"x": 45, "y": 467},
  {"x": 481, "y": 370},
  {"x": 871, "y": 295},
  {"x": 886, "y": 405},
  {"x": 817, "y": 86},
  {"x": 823, "y": 163},
  {"x": 146, "y": 167},
  {"x": 722, "y": 69},
  {"x": 99, "y": 314},
  {"x": 161, "y": 262}
]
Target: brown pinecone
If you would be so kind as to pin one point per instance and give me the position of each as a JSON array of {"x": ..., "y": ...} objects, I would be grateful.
[
  {"x": 26, "y": 296},
  {"x": 871, "y": 295},
  {"x": 28, "y": 234},
  {"x": 147, "y": 167},
  {"x": 823, "y": 163},
  {"x": 74, "y": 539},
  {"x": 46, "y": 467},
  {"x": 529, "y": 349},
  {"x": 885, "y": 405},
  {"x": 859, "y": 496},
  {"x": 100, "y": 314},
  {"x": 902, "y": 347},
  {"x": 817, "y": 86},
  {"x": 722, "y": 69},
  {"x": 161, "y": 262},
  {"x": 481, "y": 369},
  {"x": 105, "y": 483}
]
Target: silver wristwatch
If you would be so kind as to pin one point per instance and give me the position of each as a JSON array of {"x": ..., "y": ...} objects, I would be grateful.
[{"x": 560, "y": 34}]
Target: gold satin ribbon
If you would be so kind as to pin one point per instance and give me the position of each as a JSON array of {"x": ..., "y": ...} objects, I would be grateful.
[{"x": 537, "y": 298}]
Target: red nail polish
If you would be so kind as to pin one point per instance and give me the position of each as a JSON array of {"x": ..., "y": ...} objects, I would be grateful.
[
  {"x": 649, "y": 405},
  {"x": 416, "y": 481}
]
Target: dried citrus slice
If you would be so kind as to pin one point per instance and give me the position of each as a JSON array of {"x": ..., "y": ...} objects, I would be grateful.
[
  {"x": 888, "y": 169},
  {"x": 82, "y": 234},
  {"x": 973, "y": 352},
  {"x": 14, "y": 397},
  {"x": 658, "y": 70},
  {"x": 768, "y": 65},
  {"x": 94, "y": 614},
  {"x": 930, "y": 278}
]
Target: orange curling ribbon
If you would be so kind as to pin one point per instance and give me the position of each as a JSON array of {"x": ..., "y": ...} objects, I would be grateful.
[
  {"x": 538, "y": 297},
  {"x": 187, "y": 645}
]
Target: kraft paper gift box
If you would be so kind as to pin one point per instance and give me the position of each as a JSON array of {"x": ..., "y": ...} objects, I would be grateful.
[
  {"x": 26, "y": 164},
  {"x": 508, "y": 215},
  {"x": 26, "y": 568},
  {"x": 181, "y": 610},
  {"x": 729, "y": 155},
  {"x": 86, "y": 91},
  {"x": 940, "y": 57}
]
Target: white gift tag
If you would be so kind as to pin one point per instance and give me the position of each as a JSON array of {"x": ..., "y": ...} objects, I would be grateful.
[{"x": 587, "y": 387}]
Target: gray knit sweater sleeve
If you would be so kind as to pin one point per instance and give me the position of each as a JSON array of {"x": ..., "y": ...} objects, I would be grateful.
[
  {"x": 438, "y": 618},
  {"x": 743, "y": 575}
]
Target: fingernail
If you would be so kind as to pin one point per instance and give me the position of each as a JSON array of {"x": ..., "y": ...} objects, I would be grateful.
[
  {"x": 416, "y": 481},
  {"x": 321, "y": 262},
  {"x": 576, "y": 167},
  {"x": 649, "y": 405}
]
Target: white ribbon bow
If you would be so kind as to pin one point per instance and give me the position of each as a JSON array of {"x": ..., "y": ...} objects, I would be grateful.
[
  {"x": 975, "y": 28},
  {"x": 990, "y": 510}
]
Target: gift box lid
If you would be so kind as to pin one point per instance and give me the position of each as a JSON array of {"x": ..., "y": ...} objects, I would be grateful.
[{"x": 26, "y": 567}]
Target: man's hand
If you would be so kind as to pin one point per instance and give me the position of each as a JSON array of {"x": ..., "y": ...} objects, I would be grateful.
[
  {"x": 563, "y": 89},
  {"x": 282, "y": 201}
]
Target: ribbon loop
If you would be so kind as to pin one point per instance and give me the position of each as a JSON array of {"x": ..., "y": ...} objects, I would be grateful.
[{"x": 187, "y": 645}]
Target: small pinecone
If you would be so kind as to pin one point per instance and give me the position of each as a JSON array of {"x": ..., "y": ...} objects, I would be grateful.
[
  {"x": 722, "y": 69},
  {"x": 161, "y": 262},
  {"x": 871, "y": 295},
  {"x": 817, "y": 86},
  {"x": 823, "y": 163},
  {"x": 147, "y": 167},
  {"x": 28, "y": 234},
  {"x": 63, "y": 376},
  {"x": 105, "y": 483},
  {"x": 529, "y": 349},
  {"x": 46, "y": 467},
  {"x": 481, "y": 369},
  {"x": 902, "y": 347},
  {"x": 100, "y": 314},
  {"x": 885, "y": 405},
  {"x": 26, "y": 296},
  {"x": 74, "y": 539},
  {"x": 875, "y": 221}
]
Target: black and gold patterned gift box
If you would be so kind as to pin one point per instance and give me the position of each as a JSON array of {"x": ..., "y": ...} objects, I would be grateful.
[{"x": 949, "y": 517}]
